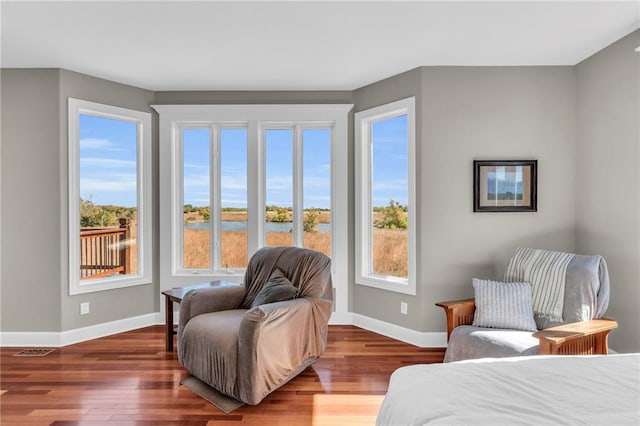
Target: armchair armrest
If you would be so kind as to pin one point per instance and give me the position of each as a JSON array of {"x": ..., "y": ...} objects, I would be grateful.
[
  {"x": 459, "y": 312},
  {"x": 209, "y": 299},
  {"x": 577, "y": 338},
  {"x": 278, "y": 340}
]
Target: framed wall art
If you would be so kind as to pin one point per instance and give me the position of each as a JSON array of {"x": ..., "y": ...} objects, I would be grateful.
[{"x": 505, "y": 186}]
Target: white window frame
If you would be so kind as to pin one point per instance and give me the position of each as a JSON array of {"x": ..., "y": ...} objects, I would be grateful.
[
  {"x": 364, "y": 229},
  {"x": 215, "y": 173},
  {"x": 76, "y": 107},
  {"x": 297, "y": 129},
  {"x": 256, "y": 118}
]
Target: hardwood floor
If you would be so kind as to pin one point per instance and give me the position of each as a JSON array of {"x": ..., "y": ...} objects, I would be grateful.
[{"x": 130, "y": 379}]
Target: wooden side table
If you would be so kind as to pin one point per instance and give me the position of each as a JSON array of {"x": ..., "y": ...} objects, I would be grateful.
[{"x": 176, "y": 295}]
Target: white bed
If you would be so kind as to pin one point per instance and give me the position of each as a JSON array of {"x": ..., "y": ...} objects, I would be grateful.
[{"x": 535, "y": 390}]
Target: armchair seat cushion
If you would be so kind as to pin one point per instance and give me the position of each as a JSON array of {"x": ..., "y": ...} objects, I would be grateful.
[
  {"x": 213, "y": 357},
  {"x": 469, "y": 342}
]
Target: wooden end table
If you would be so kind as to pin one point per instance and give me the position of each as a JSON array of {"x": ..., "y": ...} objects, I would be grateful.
[{"x": 176, "y": 295}]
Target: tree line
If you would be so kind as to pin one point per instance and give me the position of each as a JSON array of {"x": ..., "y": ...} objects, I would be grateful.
[
  {"x": 93, "y": 215},
  {"x": 394, "y": 215}
]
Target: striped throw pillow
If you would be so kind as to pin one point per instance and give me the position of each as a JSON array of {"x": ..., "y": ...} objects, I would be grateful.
[{"x": 503, "y": 305}]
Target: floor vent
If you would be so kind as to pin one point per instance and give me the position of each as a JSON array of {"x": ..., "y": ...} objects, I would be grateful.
[{"x": 34, "y": 352}]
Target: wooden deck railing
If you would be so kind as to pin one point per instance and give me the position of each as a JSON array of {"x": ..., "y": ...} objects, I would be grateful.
[{"x": 105, "y": 251}]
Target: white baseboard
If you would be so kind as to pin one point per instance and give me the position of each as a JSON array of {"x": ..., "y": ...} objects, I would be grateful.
[
  {"x": 30, "y": 339},
  {"x": 417, "y": 338},
  {"x": 341, "y": 318},
  {"x": 58, "y": 339}
]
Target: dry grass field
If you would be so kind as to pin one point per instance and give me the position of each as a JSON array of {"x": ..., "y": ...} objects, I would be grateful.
[
  {"x": 390, "y": 246},
  {"x": 390, "y": 254},
  {"x": 234, "y": 246}
]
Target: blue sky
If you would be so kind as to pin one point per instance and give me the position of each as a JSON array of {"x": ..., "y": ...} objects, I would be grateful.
[
  {"x": 390, "y": 152},
  {"x": 108, "y": 161},
  {"x": 279, "y": 167},
  {"x": 108, "y": 164}
]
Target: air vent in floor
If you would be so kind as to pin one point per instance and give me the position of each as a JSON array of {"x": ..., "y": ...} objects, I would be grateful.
[{"x": 34, "y": 352}]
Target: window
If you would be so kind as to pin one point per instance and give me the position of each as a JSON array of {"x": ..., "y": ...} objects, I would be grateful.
[
  {"x": 278, "y": 187},
  {"x": 316, "y": 181},
  {"x": 213, "y": 212},
  {"x": 385, "y": 206},
  {"x": 298, "y": 187},
  {"x": 109, "y": 191},
  {"x": 235, "y": 178},
  {"x": 233, "y": 199}
]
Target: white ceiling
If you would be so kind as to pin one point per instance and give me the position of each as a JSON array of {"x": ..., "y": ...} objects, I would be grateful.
[{"x": 304, "y": 45}]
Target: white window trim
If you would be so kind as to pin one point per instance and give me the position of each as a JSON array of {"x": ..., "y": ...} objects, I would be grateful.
[
  {"x": 297, "y": 151},
  {"x": 215, "y": 142},
  {"x": 144, "y": 225},
  {"x": 364, "y": 230},
  {"x": 255, "y": 118}
]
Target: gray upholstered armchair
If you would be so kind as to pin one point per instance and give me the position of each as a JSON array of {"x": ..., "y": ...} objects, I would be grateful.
[
  {"x": 550, "y": 303},
  {"x": 244, "y": 345}
]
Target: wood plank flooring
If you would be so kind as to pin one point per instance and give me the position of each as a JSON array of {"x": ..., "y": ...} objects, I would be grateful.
[{"x": 129, "y": 379}]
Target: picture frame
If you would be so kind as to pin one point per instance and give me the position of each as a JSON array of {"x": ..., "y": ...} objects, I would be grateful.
[{"x": 505, "y": 186}]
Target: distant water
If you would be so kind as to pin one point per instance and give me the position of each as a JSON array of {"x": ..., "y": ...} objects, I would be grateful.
[{"x": 242, "y": 226}]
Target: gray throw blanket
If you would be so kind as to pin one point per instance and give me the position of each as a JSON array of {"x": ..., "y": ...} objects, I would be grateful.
[
  {"x": 546, "y": 270},
  {"x": 566, "y": 287}
]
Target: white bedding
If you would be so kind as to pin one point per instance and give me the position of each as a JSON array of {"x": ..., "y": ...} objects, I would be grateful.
[{"x": 536, "y": 390}]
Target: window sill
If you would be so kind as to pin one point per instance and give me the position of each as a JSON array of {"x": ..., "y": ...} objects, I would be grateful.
[{"x": 397, "y": 286}]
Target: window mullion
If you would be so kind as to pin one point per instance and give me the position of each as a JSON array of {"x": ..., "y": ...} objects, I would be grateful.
[
  {"x": 256, "y": 186},
  {"x": 214, "y": 203},
  {"x": 178, "y": 201},
  {"x": 298, "y": 214},
  {"x": 368, "y": 202}
]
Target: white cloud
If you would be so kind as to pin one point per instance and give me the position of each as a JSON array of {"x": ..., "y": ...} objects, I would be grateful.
[
  {"x": 198, "y": 201},
  {"x": 234, "y": 182},
  {"x": 279, "y": 183},
  {"x": 112, "y": 183},
  {"x": 323, "y": 198},
  {"x": 196, "y": 180},
  {"x": 98, "y": 144},
  {"x": 394, "y": 184},
  {"x": 107, "y": 162},
  {"x": 196, "y": 166},
  {"x": 317, "y": 182}
]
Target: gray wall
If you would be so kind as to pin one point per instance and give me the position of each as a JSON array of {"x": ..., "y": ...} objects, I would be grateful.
[
  {"x": 608, "y": 177},
  {"x": 482, "y": 114},
  {"x": 35, "y": 288},
  {"x": 466, "y": 113},
  {"x": 31, "y": 217}
]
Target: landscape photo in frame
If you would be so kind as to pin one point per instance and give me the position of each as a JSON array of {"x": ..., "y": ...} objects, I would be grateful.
[{"x": 505, "y": 186}]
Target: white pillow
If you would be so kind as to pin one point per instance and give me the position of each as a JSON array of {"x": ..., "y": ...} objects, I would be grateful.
[{"x": 503, "y": 305}]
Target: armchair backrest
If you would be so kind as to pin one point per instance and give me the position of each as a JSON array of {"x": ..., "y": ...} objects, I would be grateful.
[
  {"x": 586, "y": 293},
  {"x": 583, "y": 280},
  {"x": 308, "y": 270}
]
